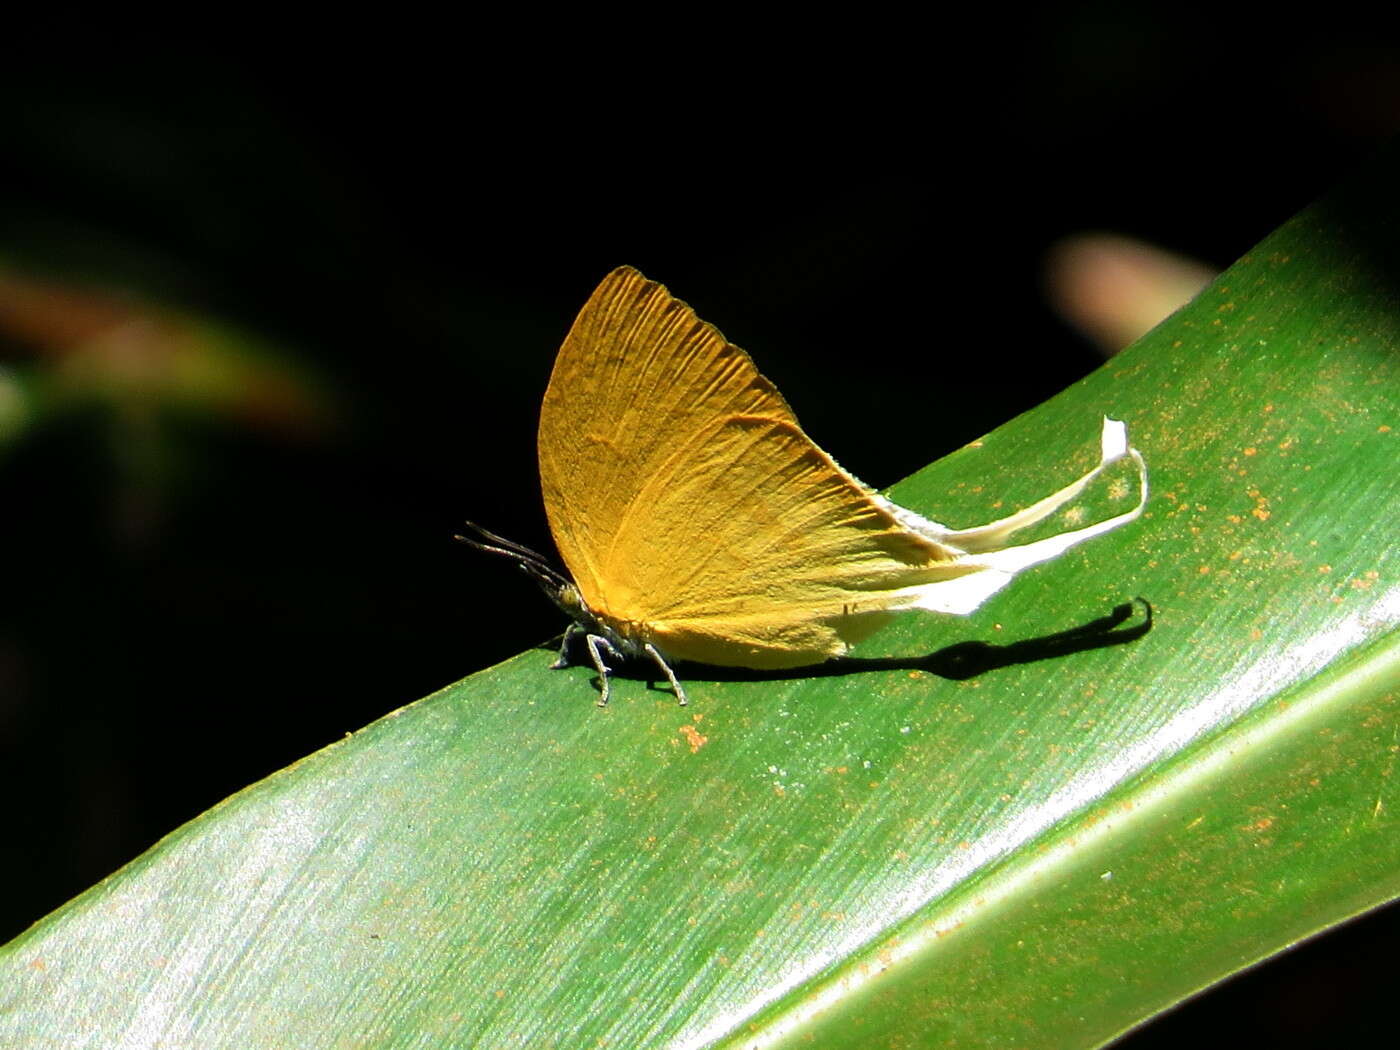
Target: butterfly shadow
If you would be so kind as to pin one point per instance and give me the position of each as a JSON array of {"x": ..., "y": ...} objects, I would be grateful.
[{"x": 957, "y": 662}]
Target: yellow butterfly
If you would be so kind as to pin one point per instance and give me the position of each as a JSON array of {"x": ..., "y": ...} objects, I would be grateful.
[{"x": 699, "y": 522}]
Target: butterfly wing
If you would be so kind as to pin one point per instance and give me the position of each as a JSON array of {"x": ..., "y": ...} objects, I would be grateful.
[{"x": 690, "y": 507}]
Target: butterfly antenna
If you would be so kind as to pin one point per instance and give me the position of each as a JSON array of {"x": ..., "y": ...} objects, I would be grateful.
[
  {"x": 500, "y": 541},
  {"x": 530, "y": 562}
]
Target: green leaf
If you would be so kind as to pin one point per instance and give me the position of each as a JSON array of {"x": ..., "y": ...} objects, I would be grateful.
[{"x": 1042, "y": 854}]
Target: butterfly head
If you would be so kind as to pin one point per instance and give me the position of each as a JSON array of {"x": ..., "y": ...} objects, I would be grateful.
[{"x": 559, "y": 588}]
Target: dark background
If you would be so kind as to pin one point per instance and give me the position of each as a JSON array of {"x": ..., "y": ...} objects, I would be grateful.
[{"x": 410, "y": 226}]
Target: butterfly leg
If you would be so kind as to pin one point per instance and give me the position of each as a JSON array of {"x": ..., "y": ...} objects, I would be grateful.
[
  {"x": 563, "y": 659},
  {"x": 671, "y": 675},
  {"x": 597, "y": 643}
]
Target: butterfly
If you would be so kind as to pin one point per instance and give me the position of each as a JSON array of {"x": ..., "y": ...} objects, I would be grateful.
[{"x": 698, "y": 522}]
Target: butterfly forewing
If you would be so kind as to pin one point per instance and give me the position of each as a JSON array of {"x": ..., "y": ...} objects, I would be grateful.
[
  {"x": 637, "y": 374},
  {"x": 685, "y": 497}
]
